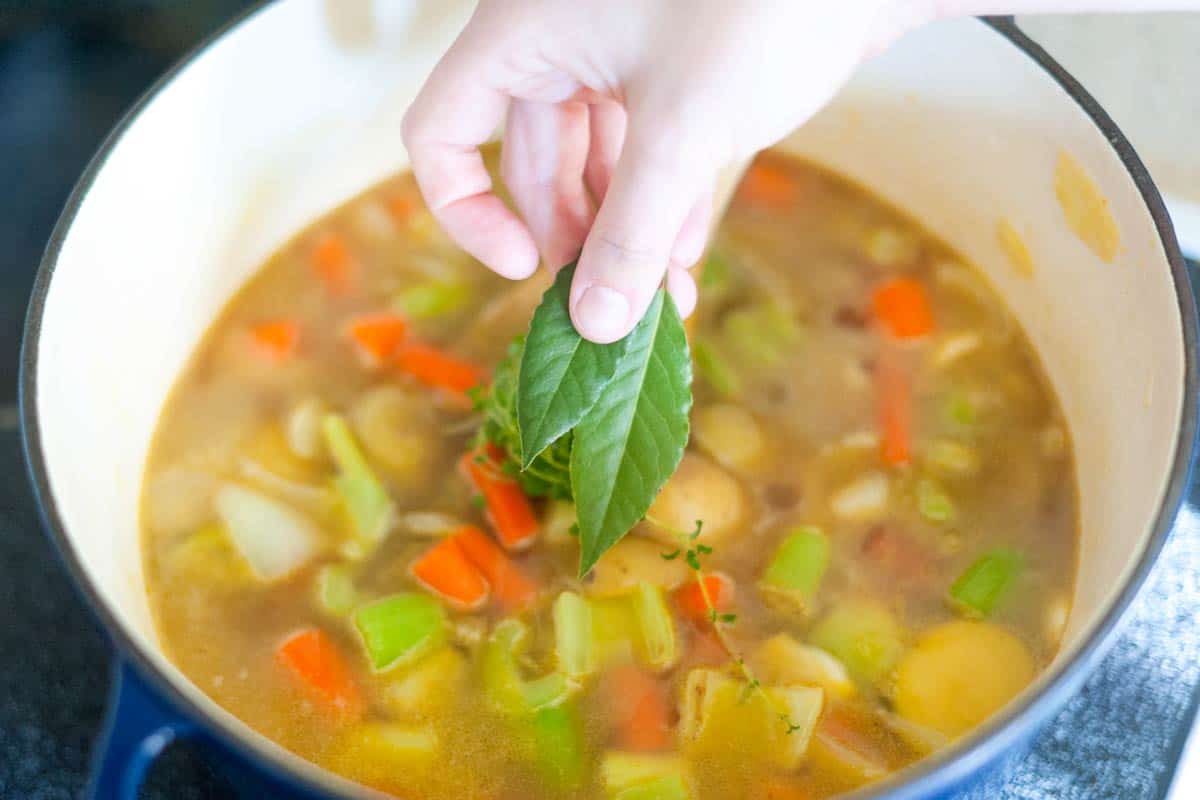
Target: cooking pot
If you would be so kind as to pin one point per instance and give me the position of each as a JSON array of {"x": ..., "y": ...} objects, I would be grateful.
[{"x": 296, "y": 108}]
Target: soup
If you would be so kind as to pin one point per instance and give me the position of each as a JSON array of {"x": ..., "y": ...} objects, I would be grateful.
[{"x": 867, "y": 549}]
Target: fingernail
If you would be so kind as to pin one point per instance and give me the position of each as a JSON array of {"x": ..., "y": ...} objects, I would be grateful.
[{"x": 601, "y": 314}]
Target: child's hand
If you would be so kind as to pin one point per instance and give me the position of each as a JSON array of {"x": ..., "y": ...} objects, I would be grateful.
[{"x": 637, "y": 103}]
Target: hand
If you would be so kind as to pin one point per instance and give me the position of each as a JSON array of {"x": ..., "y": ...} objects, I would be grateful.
[{"x": 635, "y": 104}]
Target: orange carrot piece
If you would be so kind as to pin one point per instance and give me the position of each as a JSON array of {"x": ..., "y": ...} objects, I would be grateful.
[
  {"x": 277, "y": 339},
  {"x": 317, "y": 664},
  {"x": 510, "y": 586},
  {"x": 768, "y": 185},
  {"x": 445, "y": 571},
  {"x": 778, "y": 788},
  {"x": 689, "y": 598},
  {"x": 435, "y": 368},
  {"x": 508, "y": 509},
  {"x": 895, "y": 412},
  {"x": 401, "y": 207},
  {"x": 377, "y": 336},
  {"x": 642, "y": 712},
  {"x": 902, "y": 306},
  {"x": 334, "y": 265}
]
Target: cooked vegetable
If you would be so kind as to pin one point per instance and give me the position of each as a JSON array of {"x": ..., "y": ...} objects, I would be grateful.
[
  {"x": 277, "y": 339},
  {"x": 784, "y": 661},
  {"x": 557, "y": 743},
  {"x": 863, "y": 635},
  {"x": 985, "y": 583},
  {"x": 376, "y": 337},
  {"x": 508, "y": 509},
  {"x": 631, "y": 561},
  {"x": 303, "y": 428},
  {"x": 863, "y": 500},
  {"x": 333, "y": 263},
  {"x": 799, "y": 564},
  {"x": 890, "y": 246},
  {"x": 952, "y": 458},
  {"x": 699, "y": 490},
  {"x": 902, "y": 307},
  {"x": 765, "y": 185},
  {"x": 715, "y": 369},
  {"x": 507, "y": 691},
  {"x": 335, "y": 590},
  {"x": 705, "y": 691},
  {"x": 372, "y": 514},
  {"x": 895, "y": 412},
  {"x": 426, "y": 688},
  {"x": 762, "y": 335},
  {"x": 641, "y": 710},
  {"x": 800, "y": 707},
  {"x": 274, "y": 539},
  {"x": 692, "y": 604},
  {"x": 510, "y": 586},
  {"x": 656, "y": 625},
  {"x": 844, "y": 752},
  {"x": 729, "y": 434},
  {"x": 446, "y": 571},
  {"x": 574, "y": 641},
  {"x": 318, "y": 501},
  {"x": 400, "y": 629},
  {"x": 385, "y": 752},
  {"x": 393, "y": 425},
  {"x": 933, "y": 503},
  {"x": 439, "y": 370},
  {"x": 316, "y": 663},
  {"x": 432, "y": 300},
  {"x": 960, "y": 673},
  {"x": 668, "y": 787},
  {"x": 954, "y": 346}
]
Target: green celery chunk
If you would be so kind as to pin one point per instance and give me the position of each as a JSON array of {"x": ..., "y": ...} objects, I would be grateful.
[
  {"x": 761, "y": 335},
  {"x": 668, "y": 787},
  {"x": 431, "y": 300},
  {"x": 622, "y": 772},
  {"x": 400, "y": 629},
  {"x": 573, "y": 639},
  {"x": 864, "y": 635},
  {"x": 657, "y": 626},
  {"x": 933, "y": 503},
  {"x": 798, "y": 565},
  {"x": 371, "y": 511},
  {"x": 980, "y": 589},
  {"x": 507, "y": 691},
  {"x": 336, "y": 594},
  {"x": 558, "y": 743},
  {"x": 715, "y": 368}
]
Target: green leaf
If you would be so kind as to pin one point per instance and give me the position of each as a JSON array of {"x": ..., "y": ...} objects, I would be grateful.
[
  {"x": 562, "y": 374},
  {"x": 633, "y": 438}
]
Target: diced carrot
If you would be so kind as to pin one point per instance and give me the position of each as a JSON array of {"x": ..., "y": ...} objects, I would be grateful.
[
  {"x": 508, "y": 509},
  {"x": 895, "y": 411},
  {"x": 334, "y": 265},
  {"x": 377, "y": 337},
  {"x": 689, "y": 598},
  {"x": 768, "y": 185},
  {"x": 510, "y": 586},
  {"x": 277, "y": 339},
  {"x": 317, "y": 664},
  {"x": 401, "y": 207},
  {"x": 779, "y": 788},
  {"x": 435, "y": 368},
  {"x": 902, "y": 306},
  {"x": 447, "y": 572},
  {"x": 642, "y": 713}
]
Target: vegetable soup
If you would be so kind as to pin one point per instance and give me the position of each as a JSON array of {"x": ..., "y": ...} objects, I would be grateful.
[{"x": 369, "y": 504}]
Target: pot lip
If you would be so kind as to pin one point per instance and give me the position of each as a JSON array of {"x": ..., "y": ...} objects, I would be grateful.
[{"x": 935, "y": 774}]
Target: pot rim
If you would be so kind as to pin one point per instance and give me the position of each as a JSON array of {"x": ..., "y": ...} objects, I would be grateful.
[{"x": 938, "y": 773}]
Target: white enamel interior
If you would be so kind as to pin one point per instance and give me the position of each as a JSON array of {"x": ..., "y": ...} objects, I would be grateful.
[{"x": 298, "y": 108}]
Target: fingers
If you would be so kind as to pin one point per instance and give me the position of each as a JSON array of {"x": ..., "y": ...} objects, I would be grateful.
[
  {"x": 545, "y": 149},
  {"x": 606, "y": 123},
  {"x": 455, "y": 113},
  {"x": 682, "y": 287},
  {"x": 654, "y": 187}
]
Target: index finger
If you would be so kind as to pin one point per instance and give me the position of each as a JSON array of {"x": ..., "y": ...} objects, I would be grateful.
[{"x": 455, "y": 112}]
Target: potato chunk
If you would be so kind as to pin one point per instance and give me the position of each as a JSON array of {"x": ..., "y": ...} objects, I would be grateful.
[
  {"x": 631, "y": 561},
  {"x": 960, "y": 673},
  {"x": 699, "y": 490}
]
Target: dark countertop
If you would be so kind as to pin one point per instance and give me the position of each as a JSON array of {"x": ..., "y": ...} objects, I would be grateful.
[{"x": 67, "y": 72}]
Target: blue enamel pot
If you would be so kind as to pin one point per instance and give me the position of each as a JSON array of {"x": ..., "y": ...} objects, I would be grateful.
[{"x": 295, "y": 108}]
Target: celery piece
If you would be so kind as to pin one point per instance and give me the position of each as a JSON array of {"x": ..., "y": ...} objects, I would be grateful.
[
  {"x": 980, "y": 589},
  {"x": 657, "y": 626},
  {"x": 800, "y": 708},
  {"x": 573, "y": 639},
  {"x": 668, "y": 787},
  {"x": 507, "y": 692},
  {"x": 335, "y": 590},
  {"x": 620, "y": 770},
  {"x": 400, "y": 629},
  {"x": 761, "y": 335},
  {"x": 933, "y": 503},
  {"x": 371, "y": 510},
  {"x": 798, "y": 565},
  {"x": 863, "y": 635},
  {"x": 431, "y": 300},
  {"x": 715, "y": 368},
  {"x": 558, "y": 743}
]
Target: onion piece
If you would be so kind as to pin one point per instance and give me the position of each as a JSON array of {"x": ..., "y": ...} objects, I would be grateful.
[{"x": 274, "y": 539}]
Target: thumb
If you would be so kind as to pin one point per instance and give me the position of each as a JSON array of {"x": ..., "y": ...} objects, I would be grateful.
[{"x": 657, "y": 180}]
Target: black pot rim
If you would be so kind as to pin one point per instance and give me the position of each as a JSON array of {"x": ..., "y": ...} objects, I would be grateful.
[{"x": 928, "y": 777}]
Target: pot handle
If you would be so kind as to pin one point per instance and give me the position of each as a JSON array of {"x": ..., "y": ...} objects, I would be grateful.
[{"x": 137, "y": 728}]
